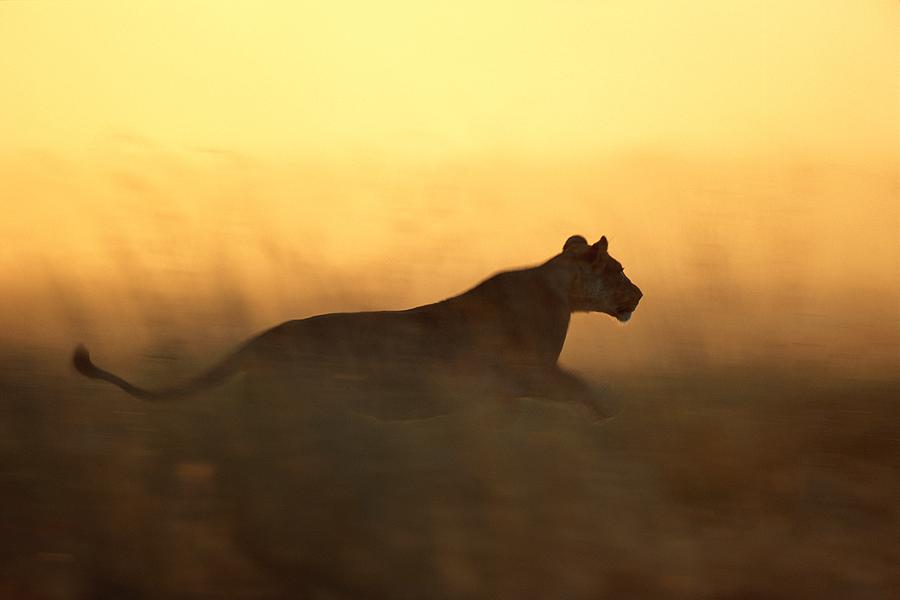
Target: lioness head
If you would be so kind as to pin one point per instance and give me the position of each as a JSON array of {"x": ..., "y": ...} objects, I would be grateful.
[{"x": 598, "y": 281}]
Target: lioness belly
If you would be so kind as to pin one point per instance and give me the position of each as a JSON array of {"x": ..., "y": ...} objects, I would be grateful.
[{"x": 392, "y": 365}]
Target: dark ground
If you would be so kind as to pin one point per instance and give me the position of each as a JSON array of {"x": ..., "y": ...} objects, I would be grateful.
[{"x": 710, "y": 484}]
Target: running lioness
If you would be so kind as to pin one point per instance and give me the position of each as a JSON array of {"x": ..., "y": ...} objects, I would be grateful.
[{"x": 511, "y": 326}]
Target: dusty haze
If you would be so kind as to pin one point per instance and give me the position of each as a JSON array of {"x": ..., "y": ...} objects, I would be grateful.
[
  {"x": 178, "y": 176},
  {"x": 788, "y": 263}
]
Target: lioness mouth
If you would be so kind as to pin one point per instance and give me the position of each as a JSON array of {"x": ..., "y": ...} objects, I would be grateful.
[{"x": 623, "y": 315}]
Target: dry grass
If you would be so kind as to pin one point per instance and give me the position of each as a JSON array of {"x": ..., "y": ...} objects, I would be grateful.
[{"x": 711, "y": 483}]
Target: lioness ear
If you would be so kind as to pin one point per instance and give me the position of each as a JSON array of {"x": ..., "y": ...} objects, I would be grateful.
[
  {"x": 575, "y": 240},
  {"x": 602, "y": 245}
]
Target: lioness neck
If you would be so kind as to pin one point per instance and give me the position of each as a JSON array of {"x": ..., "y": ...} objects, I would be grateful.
[{"x": 530, "y": 307}]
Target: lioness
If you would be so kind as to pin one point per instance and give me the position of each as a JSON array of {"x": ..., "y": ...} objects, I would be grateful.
[{"x": 511, "y": 327}]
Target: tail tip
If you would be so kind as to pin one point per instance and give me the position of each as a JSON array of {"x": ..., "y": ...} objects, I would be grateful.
[{"x": 81, "y": 360}]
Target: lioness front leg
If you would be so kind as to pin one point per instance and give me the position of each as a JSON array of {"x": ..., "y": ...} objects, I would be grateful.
[
  {"x": 568, "y": 387},
  {"x": 561, "y": 386}
]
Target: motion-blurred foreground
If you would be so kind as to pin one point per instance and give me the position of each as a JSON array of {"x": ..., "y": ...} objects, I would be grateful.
[
  {"x": 757, "y": 453},
  {"x": 712, "y": 483}
]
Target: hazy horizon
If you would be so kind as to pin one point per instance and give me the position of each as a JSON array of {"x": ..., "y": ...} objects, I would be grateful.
[{"x": 742, "y": 260}]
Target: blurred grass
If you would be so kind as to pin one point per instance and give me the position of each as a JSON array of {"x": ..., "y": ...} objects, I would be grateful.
[
  {"x": 712, "y": 483},
  {"x": 744, "y": 261}
]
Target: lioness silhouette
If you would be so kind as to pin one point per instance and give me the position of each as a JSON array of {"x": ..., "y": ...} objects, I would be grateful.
[{"x": 511, "y": 326}]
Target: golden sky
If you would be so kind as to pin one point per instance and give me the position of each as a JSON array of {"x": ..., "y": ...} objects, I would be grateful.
[{"x": 818, "y": 77}]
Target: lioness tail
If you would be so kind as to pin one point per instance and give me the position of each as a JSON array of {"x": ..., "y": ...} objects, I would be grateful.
[{"x": 81, "y": 360}]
